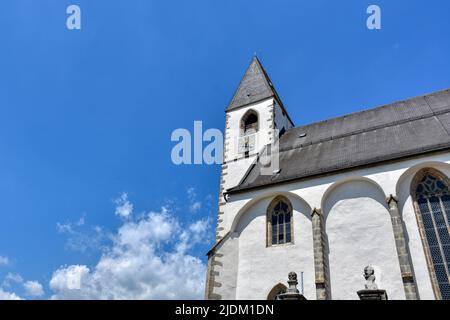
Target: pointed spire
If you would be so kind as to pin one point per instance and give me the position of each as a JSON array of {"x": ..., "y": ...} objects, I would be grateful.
[{"x": 255, "y": 86}]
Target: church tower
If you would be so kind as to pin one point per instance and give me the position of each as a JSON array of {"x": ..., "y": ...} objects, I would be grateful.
[{"x": 255, "y": 117}]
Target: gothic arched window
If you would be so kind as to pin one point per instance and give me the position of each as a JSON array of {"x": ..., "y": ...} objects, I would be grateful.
[
  {"x": 279, "y": 222},
  {"x": 432, "y": 200}
]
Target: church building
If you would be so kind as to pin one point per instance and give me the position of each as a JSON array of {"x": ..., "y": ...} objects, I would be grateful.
[{"x": 370, "y": 188}]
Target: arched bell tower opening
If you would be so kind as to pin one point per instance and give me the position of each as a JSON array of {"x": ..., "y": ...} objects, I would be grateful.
[
  {"x": 249, "y": 127},
  {"x": 249, "y": 123}
]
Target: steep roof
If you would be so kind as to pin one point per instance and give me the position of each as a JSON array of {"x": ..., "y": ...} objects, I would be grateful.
[
  {"x": 397, "y": 130},
  {"x": 254, "y": 86}
]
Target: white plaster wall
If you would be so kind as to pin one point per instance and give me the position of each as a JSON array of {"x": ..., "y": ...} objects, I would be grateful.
[
  {"x": 359, "y": 233},
  {"x": 260, "y": 267},
  {"x": 236, "y": 171},
  {"x": 226, "y": 265},
  {"x": 393, "y": 178},
  {"x": 313, "y": 190}
]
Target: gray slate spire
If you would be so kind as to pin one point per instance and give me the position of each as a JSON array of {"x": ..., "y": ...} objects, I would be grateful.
[{"x": 255, "y": 86}]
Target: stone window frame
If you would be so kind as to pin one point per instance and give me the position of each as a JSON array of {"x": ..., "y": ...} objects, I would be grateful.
[
  {"x": 414, "y": 184},
  {"x": 244, "y": 118},
  {"x": 270, "y": 208}
]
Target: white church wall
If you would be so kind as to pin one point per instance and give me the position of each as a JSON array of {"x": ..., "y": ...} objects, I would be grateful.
[
  {"x": 393, "y": 178},
  {"x": 261, "y": 267},
  {"x": 359, "y": 234},
  {"x": 313, "y": 190},
  {"x": 226, "y": 265},
  {"x": 236, "y": 171}
]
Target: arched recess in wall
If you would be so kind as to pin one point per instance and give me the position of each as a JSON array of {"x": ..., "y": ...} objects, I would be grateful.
[
  {"x": 359, "y": 232},
  {"x": 306, "y": 208},
  {"x": 381, "y": 197},
  {"x": 414, "y": 237},
  {"x": 403, "y": 186},
  {"x": 276, "y": 290},
  {"x": 430, "y": 191}
]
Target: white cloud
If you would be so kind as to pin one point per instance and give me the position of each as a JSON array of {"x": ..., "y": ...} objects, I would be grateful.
[
  {"x": 199, "y": 227},
  {"x": 4, "y": 295},
  {"x": 155, "y": 228},
  {"x": 4, "y": 261},
  {"x": 191, "y": 192},
  {"x": 16, "y": 281},
  {"x": 33, "y": 288},
  {"x": 69, "y": 227},
  {"x": 148, "y": 257},
  {"x": 12, "y": 278},
  {"x": 195, "y": 207},
  {"x": 81, "y": 241},
  {"x": 124, "y": 208},
  {"x": 139, "y": 265},
  {"x": 68, "y": 278}
]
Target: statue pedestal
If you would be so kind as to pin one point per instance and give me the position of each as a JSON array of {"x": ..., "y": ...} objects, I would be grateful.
[
  {"x": 290, "y": 296},
  {"x": 368, "y": 294},
  {"x": 292, "y": 292}
]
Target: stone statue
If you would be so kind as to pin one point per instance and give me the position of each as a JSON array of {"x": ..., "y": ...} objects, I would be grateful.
[
  {"x": 292, "y": 293},
  {"x": 371, "y": 292},
  {"x": 292, "y": 276},
  {"x": 369, "y": 275}
]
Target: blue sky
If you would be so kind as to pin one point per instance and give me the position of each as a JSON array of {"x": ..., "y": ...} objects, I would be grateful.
[{"x": 86, "y": 118}]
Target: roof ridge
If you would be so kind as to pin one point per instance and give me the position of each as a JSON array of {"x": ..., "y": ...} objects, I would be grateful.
[{"x": 268, "y": 81}]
